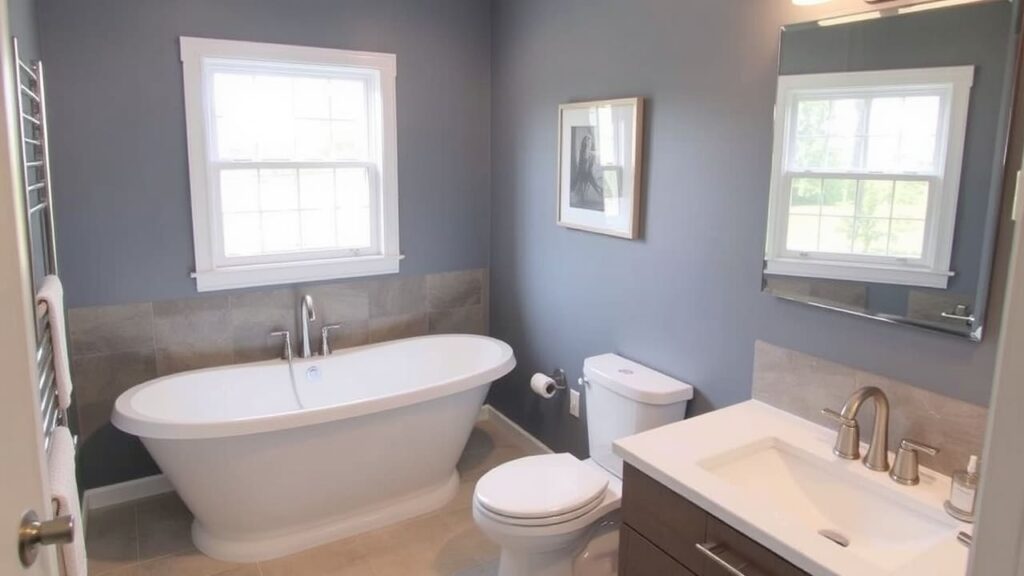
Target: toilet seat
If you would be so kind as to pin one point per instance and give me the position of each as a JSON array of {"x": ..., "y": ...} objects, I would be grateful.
[{"x": 540, "y": 490}]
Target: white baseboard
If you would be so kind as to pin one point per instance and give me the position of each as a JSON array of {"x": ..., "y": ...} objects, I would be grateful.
[
  {"x": 529, "y": 441},
  {"x": 124, "y": 492}
]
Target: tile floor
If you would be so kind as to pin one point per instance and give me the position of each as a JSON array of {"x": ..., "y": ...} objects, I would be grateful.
[{"x": 151, "y": 537}]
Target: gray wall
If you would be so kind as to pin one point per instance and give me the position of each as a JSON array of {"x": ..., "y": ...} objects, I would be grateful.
[
  {"x": 118, "y": 128},
  {"x": 685, "y": 298}
]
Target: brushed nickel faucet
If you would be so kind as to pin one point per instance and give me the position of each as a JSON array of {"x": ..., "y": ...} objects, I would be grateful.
[
  {"x": 307, "y": 314},
  {"x": 848, "y": 437}
]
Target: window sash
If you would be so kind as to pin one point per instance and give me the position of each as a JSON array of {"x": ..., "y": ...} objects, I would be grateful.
[
  {"x": 798, "y": 96},
  {"x": 221, "y": 259},
  {"x": 782, "y": 251}
]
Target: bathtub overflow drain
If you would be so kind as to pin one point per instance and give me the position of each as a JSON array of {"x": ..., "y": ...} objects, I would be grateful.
[{"x": 313, "y": 374}]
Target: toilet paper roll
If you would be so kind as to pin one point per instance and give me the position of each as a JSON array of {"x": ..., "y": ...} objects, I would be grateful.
[{"x": 542, "y": 385}]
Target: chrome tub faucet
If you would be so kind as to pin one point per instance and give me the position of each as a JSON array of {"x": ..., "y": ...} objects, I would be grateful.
[{"x": 307, "y": 314}]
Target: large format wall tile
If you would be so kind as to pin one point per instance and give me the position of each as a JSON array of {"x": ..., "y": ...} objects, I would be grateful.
[
  {"x": 455, "y": 289},
  {"x": 191, "y": 334},
  {"x": 254, "y": 315},
  {"x": 802, "y": 385},
  {"x": 116, "y": 347},
  {"x": 396, "y": 296},
  {"x": 105, "y": 329}
]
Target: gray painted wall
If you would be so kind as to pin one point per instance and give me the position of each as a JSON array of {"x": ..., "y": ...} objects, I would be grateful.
[
  {"x": 686, "y": 298},
  {"x": 118, "y": 128}
]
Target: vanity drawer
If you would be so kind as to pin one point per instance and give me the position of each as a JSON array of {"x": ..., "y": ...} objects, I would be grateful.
[
  {"x": 743, "y": 554},
  {"x": 638, "y": 557},
  {"x": 664, "y": 518}
]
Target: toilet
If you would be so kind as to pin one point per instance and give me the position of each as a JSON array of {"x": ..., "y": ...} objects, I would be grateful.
[{"x": 556, "y": 515}]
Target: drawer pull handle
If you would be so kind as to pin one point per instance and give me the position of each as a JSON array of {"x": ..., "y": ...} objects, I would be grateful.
[{"x": 712, "y": 551}]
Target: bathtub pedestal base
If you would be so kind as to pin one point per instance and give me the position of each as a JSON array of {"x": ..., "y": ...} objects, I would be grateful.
[{"x": 298, "y": 538}]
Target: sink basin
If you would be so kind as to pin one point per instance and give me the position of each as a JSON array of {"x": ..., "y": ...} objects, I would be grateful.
[{"x": 814, "y": 495}]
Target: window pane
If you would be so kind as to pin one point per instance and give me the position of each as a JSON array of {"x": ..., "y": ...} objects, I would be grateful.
[
  {"x": 316, "y": 187},
  {"x": 280, "y": 231},
  {"x": 318, "y": 228},
  {"x": 883, "y": 153},
  {"x": 352, "y": 191},
  {"x": 917, "y": 153},
  {"x": 886, "y": 116},
  {"x": 236, "y": 139},
  {"x": 353, "y": 229},
  {"x": 278, "y": 190},
  {"x": 911, "y": 200},
  {"x": 313, "y": 139},
  {"x": 806, "y": 196},
  {"x": 239, "y": 191},
  {"x": 348, "y": 99},
  {"x": 242, "y": 234},
  {"x": 871, "y": 236},
  {"x": 875, "y": 198},
  {"x": 841, "y": 153},
  {"x": 802, "y": 233},
  {"x": 349, "y": 140},
  {"x": 837, "y": 235},
  {"x": 920, "y": 116},
  {"x": 312, "y": 99},
  {"x": 846, "y": 117},
  {"x": 907, "y": 238},
  {"x": 810, "y": 152},
  {"x": 838, "y": 197}
]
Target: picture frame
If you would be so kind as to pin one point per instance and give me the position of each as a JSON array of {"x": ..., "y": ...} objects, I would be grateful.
[{"x": 600, "y": 164}]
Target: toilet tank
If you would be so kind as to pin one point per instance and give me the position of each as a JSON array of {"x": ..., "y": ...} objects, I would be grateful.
[{"x": 625, "y": 398}]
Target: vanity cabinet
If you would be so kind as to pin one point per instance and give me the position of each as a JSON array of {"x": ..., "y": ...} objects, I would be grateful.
[{"x": 662, "y": 533}]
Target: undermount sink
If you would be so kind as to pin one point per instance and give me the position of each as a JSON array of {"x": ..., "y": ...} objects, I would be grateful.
[
  {"x": 773, "y": 477},
  {"x": 824, "y": 499}
]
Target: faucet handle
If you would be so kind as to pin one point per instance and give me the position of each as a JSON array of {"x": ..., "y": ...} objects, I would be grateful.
[
  {"x": 905, "y": 469},
  {"x": 843, "y": 420},
  {"x": 287, "y": 353},
  {"x": 325, "y": 338},
  {"x": 847, "y": 444}
]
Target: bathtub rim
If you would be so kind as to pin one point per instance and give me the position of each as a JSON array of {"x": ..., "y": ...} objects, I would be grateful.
[{"x": 127, "y": 419}]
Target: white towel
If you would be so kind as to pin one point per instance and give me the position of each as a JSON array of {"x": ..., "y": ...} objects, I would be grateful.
[
  {"x": 52, "y": 293},
  {"x": 65, "y": 492}
]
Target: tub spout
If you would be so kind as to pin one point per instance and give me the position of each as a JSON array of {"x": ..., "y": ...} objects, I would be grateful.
[{"x": 307, "y": 314}]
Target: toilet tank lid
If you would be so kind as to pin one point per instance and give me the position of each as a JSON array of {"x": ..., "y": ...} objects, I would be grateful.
[{"x": 635, "y": 381}]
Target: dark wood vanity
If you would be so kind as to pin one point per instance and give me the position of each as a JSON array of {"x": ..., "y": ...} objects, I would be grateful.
[{"x": 662, "y": 531}]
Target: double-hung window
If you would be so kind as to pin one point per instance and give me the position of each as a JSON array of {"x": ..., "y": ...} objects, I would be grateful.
[
  {"x": 292, "y": 161},
  {"x": 866, "y": 175}
]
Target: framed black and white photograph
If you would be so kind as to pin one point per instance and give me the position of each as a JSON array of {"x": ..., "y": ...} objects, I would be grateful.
[{"x": 599, "y": 160}]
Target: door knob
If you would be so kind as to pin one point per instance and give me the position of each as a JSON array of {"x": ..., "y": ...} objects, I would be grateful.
[{"x": 33, "y": 533}]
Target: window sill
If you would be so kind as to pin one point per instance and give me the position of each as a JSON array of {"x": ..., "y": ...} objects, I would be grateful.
[
  {"x": 250, "y": 276},
  {"x": 879, "y": 274}
]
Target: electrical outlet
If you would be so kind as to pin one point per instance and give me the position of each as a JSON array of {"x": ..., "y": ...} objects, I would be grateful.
[{"x": 574, "y": 403}]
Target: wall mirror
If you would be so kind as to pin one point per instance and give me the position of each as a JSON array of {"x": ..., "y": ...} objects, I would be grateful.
[{"x": 887, "y": 169}]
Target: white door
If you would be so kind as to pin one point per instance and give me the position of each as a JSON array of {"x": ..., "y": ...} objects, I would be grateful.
[{"x": 23, "y": 478}]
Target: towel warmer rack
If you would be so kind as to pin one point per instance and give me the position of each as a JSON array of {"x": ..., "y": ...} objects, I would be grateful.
[{"x": 35, "y": 159}]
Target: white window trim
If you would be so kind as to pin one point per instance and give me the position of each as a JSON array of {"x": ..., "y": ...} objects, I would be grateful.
[
  {"x": 212, "y": 274},
  {"x": 933, "y": 269}
]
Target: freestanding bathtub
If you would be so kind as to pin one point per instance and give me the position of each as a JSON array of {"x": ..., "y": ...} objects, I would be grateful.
[{"x": 363, "y": 438}]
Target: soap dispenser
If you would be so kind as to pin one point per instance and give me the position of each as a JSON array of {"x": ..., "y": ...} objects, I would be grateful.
[{"x": 964, "y": 492}]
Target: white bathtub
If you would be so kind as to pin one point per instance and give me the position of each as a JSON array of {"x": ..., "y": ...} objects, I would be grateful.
[{"x": 369, "y": 436}]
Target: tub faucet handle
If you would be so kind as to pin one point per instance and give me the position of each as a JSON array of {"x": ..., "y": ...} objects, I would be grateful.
[
  {"x": 325, "y": 338},
  {"x": 287, "y": 353}
]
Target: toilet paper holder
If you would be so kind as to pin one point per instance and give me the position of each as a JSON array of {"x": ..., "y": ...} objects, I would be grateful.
[{"x": 559, "y": 377}]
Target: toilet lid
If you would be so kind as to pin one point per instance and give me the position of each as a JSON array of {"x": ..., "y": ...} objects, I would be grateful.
[{"x": 540, "y": 487}]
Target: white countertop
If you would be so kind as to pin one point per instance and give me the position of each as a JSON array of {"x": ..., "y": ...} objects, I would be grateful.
[{"x": 672, "y": 455}]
